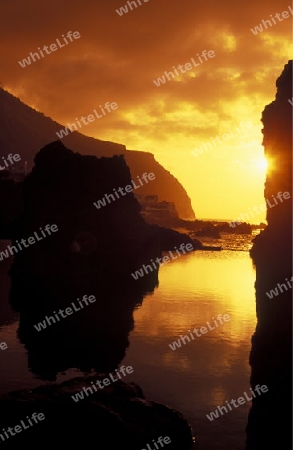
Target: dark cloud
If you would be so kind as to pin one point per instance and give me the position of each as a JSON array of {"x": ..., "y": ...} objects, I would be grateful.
[{"x": 118, "y": 57}]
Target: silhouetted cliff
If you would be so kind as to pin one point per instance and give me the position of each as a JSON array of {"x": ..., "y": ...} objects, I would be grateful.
[
  {"x": 166, "y": 186},
  {"x": 11, "y": 204},
  {"x": 24, "y": 130},
  {"x": 270, "y": 417},
  {"x": 112, "y": 239},
  {"x": 92, "y": 253}
]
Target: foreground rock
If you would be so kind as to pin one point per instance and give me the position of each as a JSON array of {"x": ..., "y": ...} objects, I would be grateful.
[
  {"x": 94, "y": 252},
  {"x": 270, "y": 418},
  {"x": 209, "y": 231},
  {"x": 112, "y": 239},
  {"x": 115, "y": 417}
]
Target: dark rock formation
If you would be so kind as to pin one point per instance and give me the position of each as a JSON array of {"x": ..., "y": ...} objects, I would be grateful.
[
  {"x": 92, "y": 338},
  {"x": 93, "y": 252},
  {"x": 165, "y": 185},
  {"x": 114, "y": 239},
  {"x": 116, "y": 417},
  {"x": 209, "y": 231},
  {"x": 270, "y": 418},
  {"x": 11, "y": 205},
  {"x": 170, "y": 238},
  {"x": 239, "y": 228},
  {"x": 24, "y": 130},
  {"x": 7, "y": 315}
]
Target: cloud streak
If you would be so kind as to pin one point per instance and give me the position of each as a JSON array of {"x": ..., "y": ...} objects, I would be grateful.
[{"x": 119, "y": 57}]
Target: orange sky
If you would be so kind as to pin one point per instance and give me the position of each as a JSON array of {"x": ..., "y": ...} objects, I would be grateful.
[{"x": 117, "y": 58}]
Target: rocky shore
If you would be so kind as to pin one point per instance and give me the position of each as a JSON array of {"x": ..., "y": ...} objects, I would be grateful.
[{"x": 116, "y": 417}]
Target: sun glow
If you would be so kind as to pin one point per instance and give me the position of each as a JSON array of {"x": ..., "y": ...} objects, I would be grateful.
[
  {"x": 262, "y": 165},
  {"x": 270, "y": 165}
]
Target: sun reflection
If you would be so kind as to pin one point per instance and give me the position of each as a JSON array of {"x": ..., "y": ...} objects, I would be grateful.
[{"x": 205, "y": 297}]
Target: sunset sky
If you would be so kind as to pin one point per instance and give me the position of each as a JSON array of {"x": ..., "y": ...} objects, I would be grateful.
[{"x": 117, "y": 58}]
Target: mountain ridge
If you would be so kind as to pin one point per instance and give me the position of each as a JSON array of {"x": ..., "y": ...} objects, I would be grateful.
[{"x": 25, "y": 130}]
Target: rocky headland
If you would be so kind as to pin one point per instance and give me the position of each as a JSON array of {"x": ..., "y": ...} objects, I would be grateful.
[
  {"x": 270, "y": 419},
  {"x": 25, "y": 130}
]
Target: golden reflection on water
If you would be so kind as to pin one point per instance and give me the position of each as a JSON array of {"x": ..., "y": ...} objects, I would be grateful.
[
  {"x": 212, "y": 368},
  {"x": 203, "y": 373},
  {"x": 198, "y": 287}
]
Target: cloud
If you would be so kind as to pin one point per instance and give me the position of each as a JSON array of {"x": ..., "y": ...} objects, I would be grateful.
[{"x": 118, "y": 57}]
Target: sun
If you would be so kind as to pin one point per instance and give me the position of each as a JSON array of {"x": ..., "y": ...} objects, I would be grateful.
[
  {"x": 262, "y": 164},
  {"x": 265, "y": 165},
  {"x": 257, "y": 165}
]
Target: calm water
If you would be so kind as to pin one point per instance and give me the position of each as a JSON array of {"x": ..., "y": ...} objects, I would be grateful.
[
  {"x": 200, "y": 375},
  {"x": 206, "y": 372}
]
